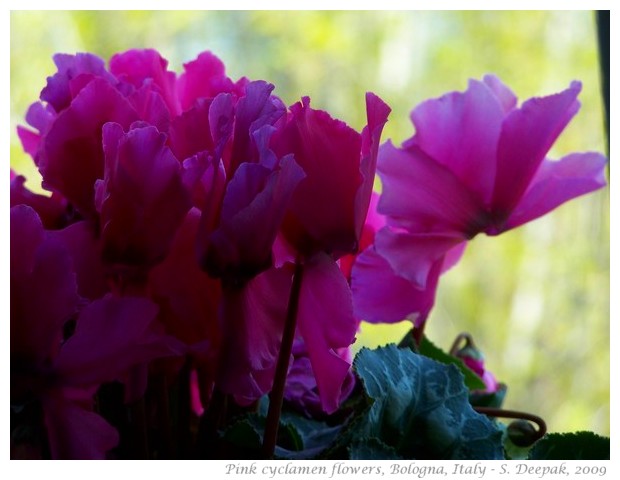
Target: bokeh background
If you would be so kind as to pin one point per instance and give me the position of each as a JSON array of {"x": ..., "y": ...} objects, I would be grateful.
[{"x": 536, "y": 299}]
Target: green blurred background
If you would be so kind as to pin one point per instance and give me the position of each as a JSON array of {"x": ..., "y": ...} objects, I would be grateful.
[{"x": 536, "y": 299}]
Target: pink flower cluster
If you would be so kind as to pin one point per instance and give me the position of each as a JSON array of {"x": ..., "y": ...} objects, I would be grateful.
[{"x": 181, "y": 205}]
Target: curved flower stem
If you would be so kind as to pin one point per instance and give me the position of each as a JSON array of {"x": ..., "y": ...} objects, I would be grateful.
[
  {"x": 469, "y": 342},
  {"x": 498, "y": 412},
  {"x": 276, "y": 395}
]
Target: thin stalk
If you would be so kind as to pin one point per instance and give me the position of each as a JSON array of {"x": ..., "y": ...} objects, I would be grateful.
[
  {"x": 456, "y": 345},
  {"x": 276, "y": 395},
  {"x": 498, "y": 412}
]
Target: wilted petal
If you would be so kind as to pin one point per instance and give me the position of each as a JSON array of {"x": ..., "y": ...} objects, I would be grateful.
[
  {"x": 557, "y": 182},
  {"x": 382, "y": 296},
  {"x": 326, "y": 323},
  {"x": 460, "y": 131},
  {"x": 421, "y": 195},
  {"x": 76, "y": 432},
  {"x": 138, "y": 67},
  {"x": 527, "y": 135},
  {"x": 145, "y": 200},
  {"x": 71, "y": 158}
]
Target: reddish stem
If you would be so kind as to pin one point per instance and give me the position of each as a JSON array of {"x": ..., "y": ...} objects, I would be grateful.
[{"x": 277, "y": 391}]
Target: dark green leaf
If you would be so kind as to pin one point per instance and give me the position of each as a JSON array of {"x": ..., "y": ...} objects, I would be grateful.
[
  {"x": 421, "y": 408},
  {"x": 430, "y": 350},
  {"x": 372, "y": 449},
  {"x": 313, "y": 436},
  {"x": 298, "y": 437},
  {"x": 571, "y": 446}
]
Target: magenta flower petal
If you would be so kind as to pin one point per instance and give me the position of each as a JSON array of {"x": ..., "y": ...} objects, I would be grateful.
[
  {"x": 326, "y": 323},
  {"x": 377, "y": 112},
  {"x": 140, "y": 66},
  {"x": 144, "y": 199},
  {"x": 323, "y": 209},
  {"x": 420, "y": 195},
  {"x": 190, "y": 131},
  {"x": 27, "y": 234},
  {"x": 41, "y": 117},
  {"x": 71, "y": 158},
  {"x": 51, "y": 210},
  {"x": 506, "y": 97},
  {"x": 85, "y": 249},
  {"x": 453, "y": 256},
  {"x": 111, "y": 336},
  {"x": 253, "y": 111},
  {"x": 151, "y": 107},
  {"x": 557, "y": 182},
  {"x": 43, "y": 288},
  {"x": 301, "y": 387},
  {"x": 381, "y": 296},
  {"x": 254, "y": 205},
  {"x": 252, "y": 324},
  {"x": 75, "y": 432},
  {"x": 460, "y": 131},
  {"x": 30, "y": 140},
  {"x": 57, "y": 92},
  {"x": 205, "y": 77},
  {"x": 187, "y": 296},
  {"x": 221, "y": 122},
  {"x": 412, "y": 256},
  {"x": 527, "y": 135},
  {"x": 374, "y": 222}
]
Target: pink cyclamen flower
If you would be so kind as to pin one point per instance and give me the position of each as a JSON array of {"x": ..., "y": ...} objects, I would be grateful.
[
  {"x": 66, "y": 143},
  {"x": 329, "y": 208},
  {"x": 324, "y": 222},
  {"x": 476, "y": 164},
  {"x": 142, "y": 199}
]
